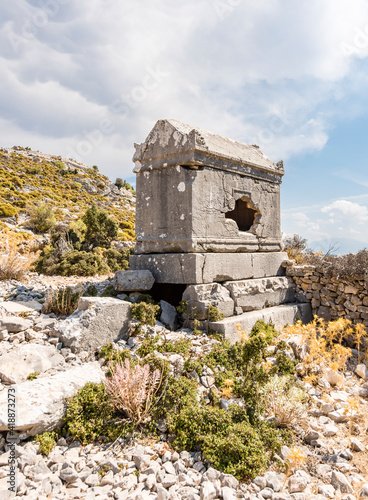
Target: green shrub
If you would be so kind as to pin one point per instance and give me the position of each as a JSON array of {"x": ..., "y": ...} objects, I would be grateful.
[
  {"x": 101, "y": 230},
  {"x": 7, "y": 210},
  {"x": 90, "y": 415},
  {"x": 72, "y": 263},
  {"x": 109, "y": 291},
  {"x": 91, "y": 291},
  {"x": 145, "y": 314},
  {"x": 214, "y": 314},
  {"x": 117, "y": 260},
  {"x": 47, "y": 441},
  {"x": 42, "y": 218},
  {"x": 33, "y": 375},
  {"x": 226, "y": 438}
]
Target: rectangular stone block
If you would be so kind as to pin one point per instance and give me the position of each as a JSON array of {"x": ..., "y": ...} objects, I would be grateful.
[
  {"x": 197, "y": 268},
  {"x": 254, "y": 294},
  {"x": 280, "y": 316}
]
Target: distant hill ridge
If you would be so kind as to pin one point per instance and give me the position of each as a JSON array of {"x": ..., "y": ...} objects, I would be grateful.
[{"x": 30, "y": 177}]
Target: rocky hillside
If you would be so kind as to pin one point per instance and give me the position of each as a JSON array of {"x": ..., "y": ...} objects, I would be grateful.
[{"x": 29, "y": 177}]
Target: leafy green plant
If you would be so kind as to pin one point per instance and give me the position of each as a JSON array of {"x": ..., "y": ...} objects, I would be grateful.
[
  {"x": 101, "y": 230},
  {"x": 90, "y": 414},
  {"x": 145, "y": 314},
  {"x": 214, "y": 314},
  {"x": 42, "y": 218},
  {"x": 33, "y": 375},
  {"x": 47, "y": 441}
]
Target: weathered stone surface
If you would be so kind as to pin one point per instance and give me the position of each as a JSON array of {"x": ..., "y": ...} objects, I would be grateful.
[
  {"x": 200, "y": 297},
  {"x": 254, "y": 294},
  {"x": 339, "y": 481},
  {"x": 236, "y": 187},
  {"x": 41, "y": 402},
  {"x": 280, "y": 316},
  {"x": 15, "y": 324},
  {"x": 362, "y": 371},
  {"x": 14, "y": 307},
  {"x": 97, "y": 321},
  {"x": 133, "y": 281},
  {"x": 17, "y": 364},
  {"x": 169, "y": 315},
  {"x": 197, "y": 268}
]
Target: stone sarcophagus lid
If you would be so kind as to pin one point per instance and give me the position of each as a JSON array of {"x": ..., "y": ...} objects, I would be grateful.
[{"x": 201, "y": 192}]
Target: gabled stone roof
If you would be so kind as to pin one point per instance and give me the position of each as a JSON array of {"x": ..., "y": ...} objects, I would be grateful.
[{"x": 171, "y": 142}]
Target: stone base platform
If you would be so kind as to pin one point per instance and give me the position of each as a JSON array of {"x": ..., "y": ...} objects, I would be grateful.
[
  {"x": 197, "y": 268},
  {"x": 280, "y": 316}
]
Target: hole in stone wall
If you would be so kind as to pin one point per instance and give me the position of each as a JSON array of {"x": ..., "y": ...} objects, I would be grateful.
[{"x": 243, "y": 215}]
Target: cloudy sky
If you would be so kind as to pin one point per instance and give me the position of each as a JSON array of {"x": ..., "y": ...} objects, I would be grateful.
[{"x": 88, "y": 78}]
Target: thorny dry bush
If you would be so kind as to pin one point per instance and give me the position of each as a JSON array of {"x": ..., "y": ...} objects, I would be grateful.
[
  {"x": 132, "y": 389},
  {"x": 324, "y": 343},
  {"x": 13, "y": 264}
]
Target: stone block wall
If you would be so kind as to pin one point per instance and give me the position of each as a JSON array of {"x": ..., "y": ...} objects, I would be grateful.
[{"x": 331, "y": 298}]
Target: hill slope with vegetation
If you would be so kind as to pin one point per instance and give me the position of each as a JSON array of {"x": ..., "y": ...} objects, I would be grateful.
[{"x": 56, "y": 205}]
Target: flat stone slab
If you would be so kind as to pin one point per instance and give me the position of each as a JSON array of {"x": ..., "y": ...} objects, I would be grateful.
[
  {"x": 255, "y": 294},
  {"x": 13, "y": 307},
  {"x": 280, "y": 316},
  {"x": 197, "y": 268},
  {"x": 17, "y": 364},
  {"x": 40, "y": 403}
]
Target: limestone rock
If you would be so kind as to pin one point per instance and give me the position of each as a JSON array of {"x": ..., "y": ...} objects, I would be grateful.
[
  {"x": 133, "y": 281},
  {"x": 339, "y": 481},
  {"x": 362, "y": 371},
  {"x": 18, "y": 363},
  {"x": 41, "y": 402},
  {"x": 168, "y": 316},
  {"x": 15, "y": 324},
  {"x": 200, "y": 297},
  {"x": 97, "y": 322}
]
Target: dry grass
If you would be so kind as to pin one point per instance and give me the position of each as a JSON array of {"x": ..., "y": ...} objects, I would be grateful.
[
  {"x": 62, "y": 302},
  {"x": 13, "y": 264}
]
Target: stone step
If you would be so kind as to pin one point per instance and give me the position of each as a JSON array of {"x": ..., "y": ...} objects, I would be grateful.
[
  {"x": 256, "y": 294},
  {"x": 280, "y": 316}
]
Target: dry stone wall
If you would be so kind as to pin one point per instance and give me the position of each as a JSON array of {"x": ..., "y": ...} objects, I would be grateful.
[{"x": 331, "y": 297}]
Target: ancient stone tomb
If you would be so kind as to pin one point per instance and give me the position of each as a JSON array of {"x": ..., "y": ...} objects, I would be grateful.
[{"x": 208, "y": 224}]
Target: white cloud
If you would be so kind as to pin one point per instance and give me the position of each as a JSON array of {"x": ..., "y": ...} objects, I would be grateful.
[
  {"x": 265, "y": 72},
  {"x": 356, "y": 214}
]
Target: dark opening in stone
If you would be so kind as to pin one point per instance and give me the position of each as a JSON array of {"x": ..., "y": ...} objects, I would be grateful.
[
  {"x": 243, "y": 215},
  {"x": 170, "y": 292}
]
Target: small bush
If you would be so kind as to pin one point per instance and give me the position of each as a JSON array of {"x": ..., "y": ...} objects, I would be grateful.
[
  {"x": 214, "y": 314},
  {"x": 284, "y": 400},
  {"x": 91, "y": 415},
  {"x": 7, "y": 210},
  {"x": 109, "y": 291},
  {"x": 42, "y": 218},
  {"x": 117, "y": 260},
  {"x": 101, "y": 230},
  {"x": 145, "y": 314},
  {"x": 47, "y": 442},
  {"x": 33, "y": 375},
  {"x": 62, "y": 302}
]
